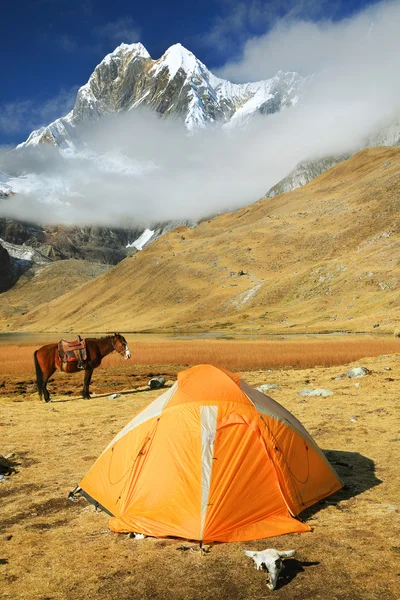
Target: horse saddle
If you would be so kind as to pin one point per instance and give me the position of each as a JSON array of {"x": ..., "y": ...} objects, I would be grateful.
[{"x": 73, "y": 351}]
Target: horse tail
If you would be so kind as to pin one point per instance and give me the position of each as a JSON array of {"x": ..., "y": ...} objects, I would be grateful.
[{"x": 39, "y": 375}]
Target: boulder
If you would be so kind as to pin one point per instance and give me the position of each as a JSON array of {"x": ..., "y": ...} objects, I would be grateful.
[
  {"x": 357, "y": 372},
  {"x": 156, "y": 383}
]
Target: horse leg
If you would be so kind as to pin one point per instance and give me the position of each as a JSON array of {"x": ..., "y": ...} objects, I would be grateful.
[
  {"x": 44, "y": 385},
  {"x": 86, "y": 383}
]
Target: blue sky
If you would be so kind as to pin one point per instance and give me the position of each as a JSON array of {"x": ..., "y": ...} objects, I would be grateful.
[{"x": 50, "y": 47}]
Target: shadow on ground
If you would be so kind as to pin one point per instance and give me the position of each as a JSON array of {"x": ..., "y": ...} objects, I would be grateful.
[
  {"x": 292, "y": 568},
  {"x": 105, "y": 395},
  {"x": 357, "y": 473}
]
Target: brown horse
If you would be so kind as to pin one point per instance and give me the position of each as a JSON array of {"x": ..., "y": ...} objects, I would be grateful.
[{"x": 47, "y": 361}]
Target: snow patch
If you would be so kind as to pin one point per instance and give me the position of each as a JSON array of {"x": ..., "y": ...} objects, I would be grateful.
[
  {"x": 141, "y": 241},
  {"x": 22, "y": 252}
]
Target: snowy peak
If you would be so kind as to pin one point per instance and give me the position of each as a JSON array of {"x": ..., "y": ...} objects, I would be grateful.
[
  {"x": 178, "y": 57},
  {"x": 176, "y": 84},
  {"x": 133, "y": 50}
]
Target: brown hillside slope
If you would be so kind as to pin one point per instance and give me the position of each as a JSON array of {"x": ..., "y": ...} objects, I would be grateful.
[
  {"x": 43, "y": 283},
  {"x": 323, "y": 257}
]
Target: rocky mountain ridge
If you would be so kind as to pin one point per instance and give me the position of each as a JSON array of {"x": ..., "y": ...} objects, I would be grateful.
[
  {"x": 176, "y": 84},
  {"x": 57, "y": 242}
]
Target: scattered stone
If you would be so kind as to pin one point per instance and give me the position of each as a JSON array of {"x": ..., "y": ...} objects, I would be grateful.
[
  {"x": 113, "y": 396},
  {"x": 357, "y": 372},
  {"x": 268, "y": 386},
  {"x": 357, "y": 385},
  {"x": 156, "y": 383},
  {"x": 317, "y": 392},
  {"x": 353, "y": 419},
  {"x": 136, "y": 536},
  {"x": 7, "y": 466},
  {"x": 202, "y": 550},
  {"x": 387, "y": 368},
  {"x": 376, "y": 325}
]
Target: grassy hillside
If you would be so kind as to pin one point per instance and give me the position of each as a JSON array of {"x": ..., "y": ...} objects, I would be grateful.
[
  {"x": 323, "y": 257},
  {"x": 42, "y": 284}
]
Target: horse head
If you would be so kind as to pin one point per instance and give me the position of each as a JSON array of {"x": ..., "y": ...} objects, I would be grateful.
[{"x": 120, "y": 345}]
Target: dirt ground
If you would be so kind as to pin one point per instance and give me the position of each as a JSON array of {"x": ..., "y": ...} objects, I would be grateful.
[{"x": 54, "y": 549}]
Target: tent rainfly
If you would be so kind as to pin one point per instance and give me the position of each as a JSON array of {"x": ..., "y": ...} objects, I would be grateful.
[{"x": 211, "y": 459}]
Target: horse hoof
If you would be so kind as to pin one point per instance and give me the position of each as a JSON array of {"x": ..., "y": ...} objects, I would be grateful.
[{"x": 47, "y": 401}]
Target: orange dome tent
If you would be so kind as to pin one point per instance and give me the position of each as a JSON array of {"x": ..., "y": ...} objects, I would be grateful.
[{"x": 211, "y": 459}]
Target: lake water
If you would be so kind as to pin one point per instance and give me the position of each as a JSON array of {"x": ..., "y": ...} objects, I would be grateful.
[{"x": 23, "y": 337}]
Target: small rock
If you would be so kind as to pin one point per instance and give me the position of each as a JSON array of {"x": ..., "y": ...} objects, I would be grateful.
[
  {"x": 357, "y": 385},
  {"x": 387, "y": 368},
  {"x": 316, "y": 392},
  {"x": 268, "y": 386},
  {"x": 353, "y": 419},
  {"x": 357, "y": 372},
  {"x": 156, "y": 382},
  {"x": 113, "y": 396}
]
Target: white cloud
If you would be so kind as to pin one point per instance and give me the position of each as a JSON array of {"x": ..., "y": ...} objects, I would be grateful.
[
  {"x": 22, "y": 116},
  {"x": 309, "y": 47},
  {"x": 122, "y": 30},
  {"x": 355, "y": 91},
  {"x": 13, "y": 115},
  {"x": 231, "y": 27}
]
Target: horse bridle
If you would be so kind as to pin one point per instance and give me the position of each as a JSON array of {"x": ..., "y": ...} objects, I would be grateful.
[{"x": 126, "y": 352}]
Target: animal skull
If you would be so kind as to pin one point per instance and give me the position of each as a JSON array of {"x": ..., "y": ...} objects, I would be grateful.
[{"x": 272, "y": 560}]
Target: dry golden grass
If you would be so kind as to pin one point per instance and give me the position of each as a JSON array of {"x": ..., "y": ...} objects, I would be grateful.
[
  {"x": 253, "y": 354},
  {"x": 17, "y": 358},
  {"x": 52, "y": 548}
]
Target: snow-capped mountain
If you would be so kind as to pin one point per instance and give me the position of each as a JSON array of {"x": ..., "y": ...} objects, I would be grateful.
[{"x": 176, "y": 84}]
